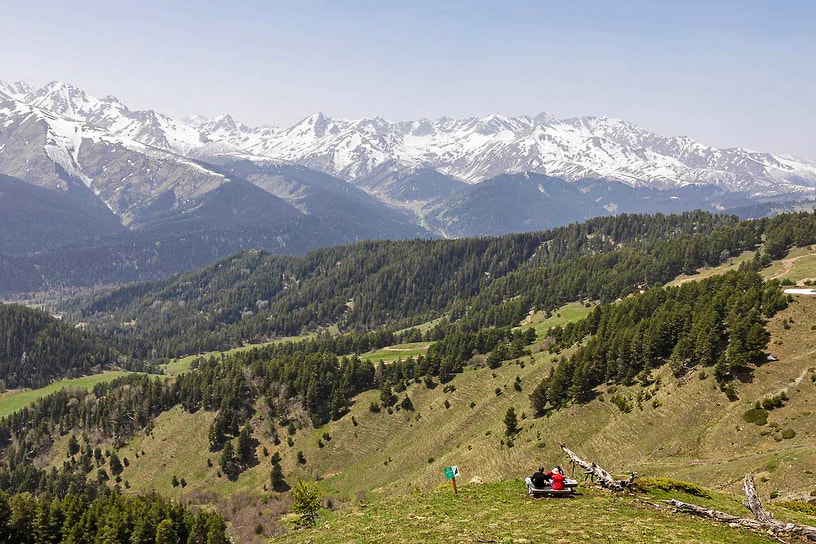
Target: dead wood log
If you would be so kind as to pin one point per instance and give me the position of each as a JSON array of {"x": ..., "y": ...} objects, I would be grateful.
[
  {"x": 604, "y": 478},
  {"x": 762, "y": 520},
  {"x": 754, "y": 503}
]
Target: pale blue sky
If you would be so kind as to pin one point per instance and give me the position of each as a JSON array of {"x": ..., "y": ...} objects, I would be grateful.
[{"x": 725, "y": 72}]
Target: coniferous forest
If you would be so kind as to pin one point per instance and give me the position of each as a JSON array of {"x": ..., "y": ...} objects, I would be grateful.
[{"x": 477, "y": 291}]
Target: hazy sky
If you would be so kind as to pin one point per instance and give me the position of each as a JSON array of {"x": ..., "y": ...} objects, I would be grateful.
[{"x": 727, "y": 73}]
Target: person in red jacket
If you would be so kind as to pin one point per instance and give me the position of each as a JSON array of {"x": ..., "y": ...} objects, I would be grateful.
[{"x": 557, "y": 478}]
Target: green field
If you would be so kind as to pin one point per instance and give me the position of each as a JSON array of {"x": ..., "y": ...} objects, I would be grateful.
[
  {"x": 707, "y": 272},
  {"x": 502, "y": 513},
  {"x": 798, "y": 266},
  {"x": 11, "y": 401},
  {"x": 182, "y": 364},
  {"x": 574, "y": 311},
  {"x": 398, "y": 351}
]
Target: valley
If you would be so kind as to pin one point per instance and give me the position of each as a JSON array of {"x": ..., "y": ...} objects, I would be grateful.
[
  {"x": 372, "y": 416},
  {"x": 374, "y": 272}
]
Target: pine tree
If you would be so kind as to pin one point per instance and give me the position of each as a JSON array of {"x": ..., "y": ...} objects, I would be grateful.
[
  {"x": 276, "y": 478},
  {"x": 73, "y": 445},
  {"x": 406, "y": 404},
  {"x": 245, "y": 451},
  {"x": 227, "y": 462},
  {"x": 166, "y": 533},
  {"x": 216, "y": 531},
  {"x": 306, "y": 503},
  {"x": 510, "y": 422},
  {"x": 115, "y": 464}
]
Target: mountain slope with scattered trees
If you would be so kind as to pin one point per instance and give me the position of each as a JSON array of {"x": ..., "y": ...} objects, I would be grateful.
[{"x": 493, "y": 281}]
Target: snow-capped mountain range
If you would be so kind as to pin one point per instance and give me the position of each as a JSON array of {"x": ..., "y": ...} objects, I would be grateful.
[
  {"x": 93, "y": 192},
  {"x": 470, "y": 150}
]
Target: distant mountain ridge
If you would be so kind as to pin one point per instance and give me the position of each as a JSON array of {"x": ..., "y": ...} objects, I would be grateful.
[
  {"x": 470, "y": 149},
  {"x": 226, "y": 185}
]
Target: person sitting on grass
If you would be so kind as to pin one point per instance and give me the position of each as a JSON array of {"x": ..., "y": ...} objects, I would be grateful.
[{"x": 537, "y": 481}]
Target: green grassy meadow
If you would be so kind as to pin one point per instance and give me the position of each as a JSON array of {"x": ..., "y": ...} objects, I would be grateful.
[
  {"x": 574, "y": 311},
  {"x": 182, "y": 364},
  {"x": 502, "y": 513},
  {"x": 398, "y": 351},
  {"x": 13, "y": 400}
]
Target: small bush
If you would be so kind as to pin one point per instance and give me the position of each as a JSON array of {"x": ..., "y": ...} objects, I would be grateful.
[
  {"x": 774, "y": 494},
  {"x": 757, "y": 416},
  {"x": 648, "y": 485},
  {"x": 623, "y": 404},
  {"x": 799, "y": 506},
  {"x": 776, "y": 401},
  {"x": 730, "y": 392},
  {"x": 787, "y": 434}
]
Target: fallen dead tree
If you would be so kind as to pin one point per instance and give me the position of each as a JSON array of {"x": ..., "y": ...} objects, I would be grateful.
[
  {"x": 604, "y": 478},
  {"x": 762, "y": 520}
]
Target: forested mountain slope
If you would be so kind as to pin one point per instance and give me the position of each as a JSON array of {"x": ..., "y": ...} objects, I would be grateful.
[
  {"x": 35, "y": 348},
  {"x": 331, "y": 418},
  {"x": 637, "y": 392},
  {"x": 490, "y": 281}
]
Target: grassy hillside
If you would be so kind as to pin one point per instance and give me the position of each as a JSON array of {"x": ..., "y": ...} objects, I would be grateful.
[
  {"x": 708, "y": 271},
  {"x": 398, "y": 351},
  {"x": 503, "y": 513},
  {"x": 182, "y": 364},
  {"x": 686, "y": 429},
  {"x": 798, "y": 266},
  {"x": 682, "y": 428},
  {"x": 13, "y": 400},
  {"x": 568, "y": 313}
]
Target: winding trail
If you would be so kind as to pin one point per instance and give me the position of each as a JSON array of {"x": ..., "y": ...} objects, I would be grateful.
[{"x": 788, "y": 264}]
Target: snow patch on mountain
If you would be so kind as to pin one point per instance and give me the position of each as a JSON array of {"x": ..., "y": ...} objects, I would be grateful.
[{"x": 470, "y": 149}]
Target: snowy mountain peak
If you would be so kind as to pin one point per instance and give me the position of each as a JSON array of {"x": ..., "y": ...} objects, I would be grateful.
[
  {"x": 194, "y": 120},
  {"x": 315, "y": 125},
  {"x": 17, "y": 90},
  {"x": 471, "y": 149},
  {"x": 545, "y": 118}
]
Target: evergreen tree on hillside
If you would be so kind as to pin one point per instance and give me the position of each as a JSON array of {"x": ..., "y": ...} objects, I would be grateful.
[
  {"x": 166, "y": 533},
  {"x": 227, "y": 462},
  {"x": 116, "y": 466},
  {"x": 510, "y": 422},
  {"x": 276, "y": 478},
  {"x": 246, "y": 446}
]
